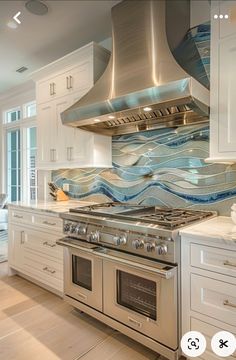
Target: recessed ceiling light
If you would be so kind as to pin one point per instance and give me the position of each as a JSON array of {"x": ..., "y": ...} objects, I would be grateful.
[
  {"x": 96, "y": 120},
  {"x": 12, "y": 25},
  {"x": 111, "y": 117},
  {"x": 36, "y": 7},
  {"x": 147, "y": 108}
]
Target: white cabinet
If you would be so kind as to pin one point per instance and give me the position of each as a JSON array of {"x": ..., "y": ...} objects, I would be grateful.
[
  {"x": 58, "y": 86},
  {"x": 223, "y": 82},
  {"x": 208, "y": 278},
  {"x": 33, "y": 251}
]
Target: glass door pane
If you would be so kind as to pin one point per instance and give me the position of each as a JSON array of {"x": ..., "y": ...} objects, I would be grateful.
[
  {"x": 31, "y": 163},
  {"x": 14, "y": 165},
  {"x": 137, "y": 293},
  {"x": 82, "y": 272}
]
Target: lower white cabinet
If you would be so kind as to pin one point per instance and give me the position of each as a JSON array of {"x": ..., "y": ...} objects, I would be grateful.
[
  {"x": 208, "y": 278},
  {"x": 33, "y": 251}
]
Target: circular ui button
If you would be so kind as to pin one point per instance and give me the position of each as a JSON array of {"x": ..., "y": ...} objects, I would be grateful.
[
  {"x": 223, "y": 343},
  {"x": 193, "y": 344}
]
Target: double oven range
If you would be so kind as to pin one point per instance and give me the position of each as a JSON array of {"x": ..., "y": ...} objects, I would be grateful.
[{"x": 122, "y": 266}]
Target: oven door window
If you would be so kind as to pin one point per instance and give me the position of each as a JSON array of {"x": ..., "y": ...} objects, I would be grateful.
[
  {"x": 137, "y": 293},
  {"x": 82, "y": 272}
]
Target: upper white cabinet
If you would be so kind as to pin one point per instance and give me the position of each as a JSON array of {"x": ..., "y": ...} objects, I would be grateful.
[
  {"x": 223, "y": 82},
  {"x": 58, "y": 86}
]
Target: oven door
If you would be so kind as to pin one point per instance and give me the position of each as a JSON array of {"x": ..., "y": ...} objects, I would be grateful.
[
  {"x": 143, "y": 299},
  {"x": 82, "y": 273}
]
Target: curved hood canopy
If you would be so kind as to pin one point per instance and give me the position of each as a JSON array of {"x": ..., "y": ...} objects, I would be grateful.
[{"x": 143, "y": 86}]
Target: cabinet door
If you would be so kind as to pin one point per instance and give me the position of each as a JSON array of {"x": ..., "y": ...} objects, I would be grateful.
[
  {"x": 16, "y": 246},
  {"x": 46, "y": 135},
  {"x": 75, "y": 146},
  {"x": 46, "y": 90},
  {"x": 228, "y": 25},
  {"x": 227, "y": 91},
  {"x": 80, "y": 77}
]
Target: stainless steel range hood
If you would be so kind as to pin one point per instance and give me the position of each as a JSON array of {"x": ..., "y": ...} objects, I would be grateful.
[{"x": 143, "y": 86}]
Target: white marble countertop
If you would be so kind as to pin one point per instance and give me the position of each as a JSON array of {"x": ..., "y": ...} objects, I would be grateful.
[
  {"x": 49, "y": 206},
  {"x": 220, "y": 229}
]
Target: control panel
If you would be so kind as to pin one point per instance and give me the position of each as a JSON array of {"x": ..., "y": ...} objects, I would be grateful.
[{"x": 130, "y": 241}]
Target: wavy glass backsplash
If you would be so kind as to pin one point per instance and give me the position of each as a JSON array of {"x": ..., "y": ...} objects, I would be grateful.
[{"x": 163, "y": 167}]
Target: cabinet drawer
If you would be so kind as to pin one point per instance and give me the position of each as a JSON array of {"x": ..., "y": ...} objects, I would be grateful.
[
  {"x": 19, "y": 216},
  {"x": 47, "y": 272},
  {"x": 213, "y": 259},
  {"x": 209, "y": 331},
  {"x": 214, "y": 298},
  {"x": 48, "y": 222},
  {"x": 43, "y": 243}
]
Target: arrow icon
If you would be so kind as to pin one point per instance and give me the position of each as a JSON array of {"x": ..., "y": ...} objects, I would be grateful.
[{"x": 16, "y": 17}]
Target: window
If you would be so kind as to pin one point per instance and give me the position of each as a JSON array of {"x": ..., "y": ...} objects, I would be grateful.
[
  {"x": 14, "y": 164},
  {"x": 30, "y": 109},
  {"x": 31, "y": 163},
  {"x": 20, "y": 145},
  {"x": 13, "y": 115}
]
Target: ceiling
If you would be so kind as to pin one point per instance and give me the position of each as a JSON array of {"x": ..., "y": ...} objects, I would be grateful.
[{"x": 39, "y": 40}]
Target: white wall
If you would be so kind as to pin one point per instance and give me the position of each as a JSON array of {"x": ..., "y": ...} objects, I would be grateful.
[{"x": 199, "y": 12}]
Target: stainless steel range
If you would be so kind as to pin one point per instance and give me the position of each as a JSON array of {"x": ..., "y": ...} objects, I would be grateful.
[{"x": 121, "y": 265}]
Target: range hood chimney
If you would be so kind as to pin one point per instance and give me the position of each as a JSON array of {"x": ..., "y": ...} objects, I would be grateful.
[{"x": 143, "y": 86}]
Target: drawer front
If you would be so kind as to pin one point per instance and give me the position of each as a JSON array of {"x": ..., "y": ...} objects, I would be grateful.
[
  {"x": 44, "y": 244},
  {"x": 213, "y": 259},
  {"x": 214, "y": 298},
  {"x": 48, "y": 272},
  {"x": 48, "y": 222},
  {"x": 209, "y": 331},
  {"x": 19, "y": 216}
]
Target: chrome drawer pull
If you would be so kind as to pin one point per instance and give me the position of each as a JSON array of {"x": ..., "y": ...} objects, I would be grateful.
[
  {"x": 18, "y": 216},
  {"x": 48, "y": 270},
  {"x": 135, "y": 322},
  {"x": 81, "y": 296},
  {"x": 228, "y": 263},
  {"x": 47, "y": 244},
  {"x": 49, "y": 223},
  {"x": 227, "y": 303}
]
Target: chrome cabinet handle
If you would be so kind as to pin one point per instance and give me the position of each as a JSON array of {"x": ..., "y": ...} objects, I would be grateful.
[
  {"x": 81, "y": 295},
  {"x": 49, "y": 223},
  {"x": 70, "y": 82},
  {"x": 67, "y": 83},
  {"x": 18, "y": 216},
  {"x": 53, "y": 154},
  {"x": 47, "y": 244},
  {"x": 50, "y": 89},
  {"x": 135, "y": 322},
  {"x": 229, "y": 263},
  {"x": 228, "y": 303},
  {"x": 49, "y": 270},
  {"x": 22, "y": 238},
  {"x": 69, "y": 153},
  {"x": 53, "y": 88}
]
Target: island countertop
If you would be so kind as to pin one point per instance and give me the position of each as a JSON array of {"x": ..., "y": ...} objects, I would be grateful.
[{"x": 49, "y": 206}]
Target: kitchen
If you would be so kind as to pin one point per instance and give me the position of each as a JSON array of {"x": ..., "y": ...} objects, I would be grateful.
[{"x": 118, "y": 188}]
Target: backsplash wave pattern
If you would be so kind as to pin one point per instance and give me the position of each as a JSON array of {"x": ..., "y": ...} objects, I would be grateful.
[{"x": 162, "y": 167}]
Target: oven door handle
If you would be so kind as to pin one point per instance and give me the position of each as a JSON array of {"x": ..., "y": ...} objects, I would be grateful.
[
  {"x": 166, "y": 274},
  {"x": 70, "y": 244}
]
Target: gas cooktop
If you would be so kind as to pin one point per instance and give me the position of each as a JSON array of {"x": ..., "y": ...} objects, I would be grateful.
[{"x": 168, "y": 218}]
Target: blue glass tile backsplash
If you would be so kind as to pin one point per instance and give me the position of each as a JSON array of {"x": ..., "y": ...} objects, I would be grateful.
[{"x": 163, "y": 167}]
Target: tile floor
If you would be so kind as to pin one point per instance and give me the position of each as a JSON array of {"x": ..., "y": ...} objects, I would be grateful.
[{"x": 36, "y": 325}]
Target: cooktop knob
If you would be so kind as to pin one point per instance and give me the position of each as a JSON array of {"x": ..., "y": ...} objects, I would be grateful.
[
  {"x": 66, "y": 227},
  {"x": 72, "y": 228},
  {"x": 119, "y": 240},
  {"x": 161, "y": 249},
  {"x": 94, "y": 236},
  {"x": 137, "y": 244},
  {"x": 149, "y": 247},
  {"x": 81, "y": 229}
]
